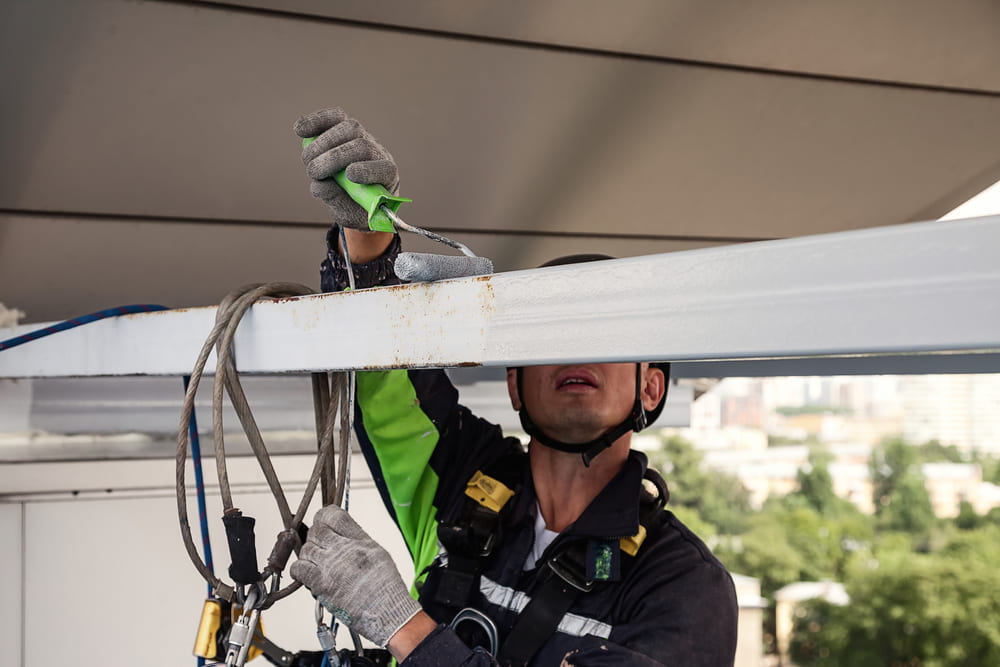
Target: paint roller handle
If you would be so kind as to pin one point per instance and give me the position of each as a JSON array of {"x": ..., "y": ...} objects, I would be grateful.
[
  {"x": 381, "y": 207},
  {"x": 369, "y": 197}
]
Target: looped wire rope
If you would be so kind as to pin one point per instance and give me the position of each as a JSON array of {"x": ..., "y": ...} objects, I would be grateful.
[{"x": 330, "y": 391}]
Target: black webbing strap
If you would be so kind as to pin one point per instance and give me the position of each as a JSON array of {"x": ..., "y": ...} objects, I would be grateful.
[
  {"x": 470, "y": 540},
  {"x": 470, "y": 544},
  {"x": 458, "y": 581},
  {"x": 564, "y": 580}
]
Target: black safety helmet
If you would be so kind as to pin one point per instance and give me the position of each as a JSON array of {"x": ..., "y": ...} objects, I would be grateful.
[{"x": 638, "y": 419}]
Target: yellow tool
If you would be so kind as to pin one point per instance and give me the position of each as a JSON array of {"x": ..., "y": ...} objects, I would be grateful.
[{"x": 212, "y": 631}]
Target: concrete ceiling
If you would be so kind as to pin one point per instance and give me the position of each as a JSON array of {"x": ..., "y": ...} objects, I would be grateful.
[{"x": 147, "y": 154}]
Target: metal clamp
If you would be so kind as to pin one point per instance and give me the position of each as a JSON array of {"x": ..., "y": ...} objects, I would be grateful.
[
  {"x": 275, "y": 582},
  {"x": 573, "y": 579}
]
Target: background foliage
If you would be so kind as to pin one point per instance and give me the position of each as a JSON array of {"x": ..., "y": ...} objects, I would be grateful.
[{"x": 923, "y": 590}]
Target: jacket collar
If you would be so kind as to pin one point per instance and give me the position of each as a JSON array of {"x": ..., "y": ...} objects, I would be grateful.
[{"x": 613, "y": 513}]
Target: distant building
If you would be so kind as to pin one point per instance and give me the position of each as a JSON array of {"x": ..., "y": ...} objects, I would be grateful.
[
  {"x": 960, "y": 410},
  {"x": 989, "y": 497},
  {"x": 774, "y": 472},
  {"x": 742, "y": 411},
  {"x": 729, "y": 438},
  {"x": 706, "y": 413},
  {"x": 749, "y": 639},
  {"x": 853, "y": 482},
  {"x": 948, "y": 484},
  {"x": 764, "y": 472},
  {"x": 787, "y": 599},
  {"x": 734, "y": 421}
]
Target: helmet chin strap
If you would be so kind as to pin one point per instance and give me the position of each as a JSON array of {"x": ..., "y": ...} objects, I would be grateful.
[{"x": 636, "y": 421}]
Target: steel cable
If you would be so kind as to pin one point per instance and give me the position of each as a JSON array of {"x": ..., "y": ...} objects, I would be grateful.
[
  {"x": 332, "y": 393},
  {"x": 327, "y": 400}
]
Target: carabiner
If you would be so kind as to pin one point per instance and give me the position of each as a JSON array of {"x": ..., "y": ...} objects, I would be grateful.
[
  {"x": 243, "y": 630},
  {"x": 482, "y": 620}
]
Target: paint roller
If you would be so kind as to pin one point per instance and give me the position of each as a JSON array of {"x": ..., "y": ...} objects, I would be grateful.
[{"x": 381, "y": 206}]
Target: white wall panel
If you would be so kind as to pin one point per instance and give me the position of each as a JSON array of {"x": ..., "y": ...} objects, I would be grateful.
[
  {"x": 11, "y": 563},
  {"x": 107, "y": 575}
]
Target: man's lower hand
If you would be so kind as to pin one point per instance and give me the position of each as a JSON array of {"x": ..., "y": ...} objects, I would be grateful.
[{"x": 353, "y": 577}]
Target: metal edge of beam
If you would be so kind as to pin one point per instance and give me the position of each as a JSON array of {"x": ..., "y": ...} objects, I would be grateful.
[
  {"x": 888, "y": 364},
  {"x": 900, "y": 290}
]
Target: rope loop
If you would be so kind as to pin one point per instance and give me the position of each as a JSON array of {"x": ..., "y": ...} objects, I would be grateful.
[{"x": 330, "y": 392}]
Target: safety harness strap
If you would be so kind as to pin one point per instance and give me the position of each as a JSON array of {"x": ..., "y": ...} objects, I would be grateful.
[
  {"x": 566, "y": 577},
  {"x": 564, "y": 580},
  {"x": 470, "y": 541}
]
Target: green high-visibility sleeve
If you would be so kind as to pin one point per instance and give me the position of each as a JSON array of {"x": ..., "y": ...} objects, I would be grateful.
[{"x": 403, "y": 439}]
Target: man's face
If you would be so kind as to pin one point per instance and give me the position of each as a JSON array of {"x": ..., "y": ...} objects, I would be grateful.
[{"x": 578, "y": 403}]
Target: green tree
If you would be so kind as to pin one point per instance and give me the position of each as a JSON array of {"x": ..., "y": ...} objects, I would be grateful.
[
  {"x": 967, "y": 518},
  {"x": 933, "y": 450},
  {"x": 817, "y": 547},
  {"x": 815, "y": 482},
  {"x": 764, "y": 552},
  {"x": 899, "y": 493},
  {"x": 980, "y": 545},
  {"x": 990, "y": 465},
  {"x": 719, "y": 499},
  {"x": 932, "y": 610},
  {"x": 816, "y": 485},
  {"x": 690, "y": 518},
  {"x": 890, "y": 462}
]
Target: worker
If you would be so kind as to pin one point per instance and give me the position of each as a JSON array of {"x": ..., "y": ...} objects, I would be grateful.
[{"x": 560, "y": 555}]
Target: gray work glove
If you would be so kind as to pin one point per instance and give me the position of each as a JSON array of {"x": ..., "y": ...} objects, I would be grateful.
[
  {"x": 341, "y": 143},
  {"x": 353, "y": 577}
]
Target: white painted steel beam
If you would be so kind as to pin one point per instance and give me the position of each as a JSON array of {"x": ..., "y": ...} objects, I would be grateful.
[{"x": 917, "y": 289}]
